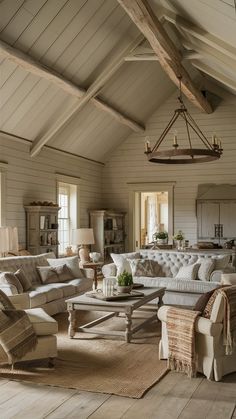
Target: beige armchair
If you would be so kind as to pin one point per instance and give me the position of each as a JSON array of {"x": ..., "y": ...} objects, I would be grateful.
[
  {"x": 211, "y": 358},
  {"x": 46, "y": 328}
]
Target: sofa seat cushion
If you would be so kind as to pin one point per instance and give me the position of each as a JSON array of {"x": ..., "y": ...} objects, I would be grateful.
[
  {"x": 43, "y": 324},
  {"x": 37, "y": 298},
  {"x": 67, "y": 289},
  {"x": 180, "y": 285},
  {"x": 51, "y": 291},
  {"x": 82, "y": 284}
]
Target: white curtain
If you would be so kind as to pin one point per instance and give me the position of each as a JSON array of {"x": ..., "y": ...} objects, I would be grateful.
[{"x": 152, "y": 216}]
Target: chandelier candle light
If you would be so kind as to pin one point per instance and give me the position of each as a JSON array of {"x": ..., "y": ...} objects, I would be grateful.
[{"x": 207, "y": 152}]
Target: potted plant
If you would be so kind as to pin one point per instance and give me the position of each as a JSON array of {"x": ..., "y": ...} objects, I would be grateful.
[
  {"x": 161, "y": 237},
  {"x": 179, "y": 237},
  {"x": 125, "y": 282}
]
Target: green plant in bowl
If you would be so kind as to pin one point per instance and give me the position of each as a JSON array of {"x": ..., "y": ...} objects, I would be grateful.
[{"x": 124, "y": 282}]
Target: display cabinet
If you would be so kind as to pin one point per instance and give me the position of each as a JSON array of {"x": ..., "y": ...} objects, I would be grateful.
[
  {"x": 109, "y": 232},
  {"x": 42, "y": 229}
]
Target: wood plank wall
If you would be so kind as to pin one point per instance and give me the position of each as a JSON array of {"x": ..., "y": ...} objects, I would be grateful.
[
  {"x": 30, "y": 179},
  {"x": 129, "y": 164}
]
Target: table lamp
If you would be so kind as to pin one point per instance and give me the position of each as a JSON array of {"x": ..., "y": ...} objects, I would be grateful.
[
  {"x": 8, "y": 240},
  {"x": 83, "y": 237}
]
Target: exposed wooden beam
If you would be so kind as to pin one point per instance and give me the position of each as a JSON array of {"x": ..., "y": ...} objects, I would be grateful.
[
  {"x": 89, "y": 95},
  {"x": 199, "y": 33},
  {"x": 151, "y": 56},
  {"x": 32, "y": 66},
  {"x": 215, "y": 74},
  {"x": 169, "y": 57}
]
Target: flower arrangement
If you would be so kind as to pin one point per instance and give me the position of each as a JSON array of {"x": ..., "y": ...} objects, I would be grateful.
[
  {"x": 161, "y": 235},
  {"x": 179, "y": 235}
]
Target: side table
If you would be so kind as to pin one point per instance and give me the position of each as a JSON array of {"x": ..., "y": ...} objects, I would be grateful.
[{"x": 95, "y": 266}]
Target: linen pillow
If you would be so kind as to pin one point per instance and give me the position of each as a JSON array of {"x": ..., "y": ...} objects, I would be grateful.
[
  {"x": 144, "y": 267},
  {"x": 72, "y": 262},
  {"x": 11, "y": 279},
  {"x": 206, "y": 268},
  {"x": 122, "y": 263},
  {"x": 24, "y": 280},
  {"x": 221, "y": 261},
  {"x": 50, "y": 274},
  {"x": 47, "y": 274},
  {"x": 188, "y": 272}
]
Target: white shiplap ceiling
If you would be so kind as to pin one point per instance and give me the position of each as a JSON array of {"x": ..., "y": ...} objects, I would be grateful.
[{"x": 79, "y": 39}]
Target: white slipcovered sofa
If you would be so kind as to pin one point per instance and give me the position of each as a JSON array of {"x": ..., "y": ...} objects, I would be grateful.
[
  {"x": 210, "y": 350},
  {"x": 48, "y": 296},
  {"x": 169, "y": 264}
]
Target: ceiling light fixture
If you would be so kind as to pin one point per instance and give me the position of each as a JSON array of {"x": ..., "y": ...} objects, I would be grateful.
[{"x": 177, "y": 155}]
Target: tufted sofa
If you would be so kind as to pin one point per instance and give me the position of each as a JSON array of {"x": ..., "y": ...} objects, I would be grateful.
[
  {"x": 179, "y": 291},
  {"x": 50, "y": 297}
]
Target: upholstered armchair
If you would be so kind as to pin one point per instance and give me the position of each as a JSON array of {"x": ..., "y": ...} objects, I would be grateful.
[
  {"x": 210, "y": 351},
  {"x": 45, "y": 328}
]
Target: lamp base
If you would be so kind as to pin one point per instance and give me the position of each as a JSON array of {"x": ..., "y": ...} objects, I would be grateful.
[{"x": 84, "y": 254}]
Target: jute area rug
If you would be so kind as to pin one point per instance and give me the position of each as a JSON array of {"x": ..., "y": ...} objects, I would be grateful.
[{"x": 97, "y": 364}]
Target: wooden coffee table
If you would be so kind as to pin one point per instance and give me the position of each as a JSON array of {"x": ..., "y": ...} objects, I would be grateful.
[{"x": 126, "y": 306}]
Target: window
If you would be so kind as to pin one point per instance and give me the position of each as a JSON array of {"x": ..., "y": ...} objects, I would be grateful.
[{"x": 67, "y": 198}]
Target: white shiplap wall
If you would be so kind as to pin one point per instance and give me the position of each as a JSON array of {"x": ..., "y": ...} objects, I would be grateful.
[
  {"x": 30, "y": 179},
  {"x": 129, "y": 164}
]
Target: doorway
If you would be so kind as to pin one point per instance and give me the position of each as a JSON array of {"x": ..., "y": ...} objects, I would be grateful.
[
  {"x": 150, "y": 210},
  {"x": 153, "y": 214}
]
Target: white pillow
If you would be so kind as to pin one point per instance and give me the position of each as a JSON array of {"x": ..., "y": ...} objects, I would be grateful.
[
  {"x": 207, "y": 266},
  {"x": 122, "y": 263},
  {"x": 221, "y": 261},
  {"x": 188, "y": 272},
  {"x": 72, "y": 262}
]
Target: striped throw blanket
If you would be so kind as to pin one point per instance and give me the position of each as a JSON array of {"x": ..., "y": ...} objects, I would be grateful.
[
  {"x": 180, "y": 330},
  {"x": 17, "y": 335},
  {"x": 229, "y": 320}
]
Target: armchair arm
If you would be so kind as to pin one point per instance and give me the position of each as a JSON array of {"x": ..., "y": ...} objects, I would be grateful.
[
  {"x": 109, "y": 270},
  {"x": 216, "y": 275},
  {"x": 20, "y": 301},
  {"x": 202, "y": 325}
]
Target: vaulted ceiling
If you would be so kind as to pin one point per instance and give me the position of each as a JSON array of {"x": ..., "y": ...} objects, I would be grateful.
[{"x": 80, "y": 75}]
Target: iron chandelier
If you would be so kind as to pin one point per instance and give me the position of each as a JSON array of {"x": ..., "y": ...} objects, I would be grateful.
[{"x": 177, "y": 155}]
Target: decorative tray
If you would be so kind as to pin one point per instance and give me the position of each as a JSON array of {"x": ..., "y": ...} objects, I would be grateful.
[
  {"x": 121, "y": 296},
  {"x": 137, "y": 285}
]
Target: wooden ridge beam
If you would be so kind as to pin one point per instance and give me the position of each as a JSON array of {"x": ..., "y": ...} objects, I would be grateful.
[
  {"x": 44, "y": 72},
  {"x": 169, "y": 57}
]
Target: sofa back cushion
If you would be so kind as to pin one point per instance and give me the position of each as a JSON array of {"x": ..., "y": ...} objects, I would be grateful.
[
  {"x": 27, "y": 263},
  {"x": 72, "y": 262}
]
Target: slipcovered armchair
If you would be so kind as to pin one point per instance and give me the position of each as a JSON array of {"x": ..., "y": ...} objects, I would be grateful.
[
  {"x": 45, "y": 328},
  {"x": 211, "y": 358}
]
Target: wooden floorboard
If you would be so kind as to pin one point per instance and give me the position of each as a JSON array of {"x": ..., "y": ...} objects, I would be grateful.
[{"x": 174, "y": 397}]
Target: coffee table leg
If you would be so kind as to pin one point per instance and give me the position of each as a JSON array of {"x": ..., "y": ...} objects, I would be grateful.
[
  {"x": 72, "y": 323},
  {"x": 128, "y": 324}
]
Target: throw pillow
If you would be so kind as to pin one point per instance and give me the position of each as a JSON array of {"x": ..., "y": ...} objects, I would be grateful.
[
  {"x": 188, "y": 272},
  {"x": 122, "y": 263},
  {"x": 205, "y": 269},
  {"x": 221, "y": 261},
  {"x": 203, "y": 300},
  {"x": 11, "y": 279},
  {"x": 64, "y": 273},
  {"x": 144, "y": 267},
  {"x": 24, "y": 280},
  {"x": 47, "y": 274},
  {"x": 72, "y": 262}
]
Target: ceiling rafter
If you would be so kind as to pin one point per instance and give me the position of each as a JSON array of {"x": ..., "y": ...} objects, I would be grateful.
[
  {"x": 199, "y": 33},
  {"x": 214, "y": 74},
  {"x": 169, "y": 57},
  {"x": 32, "y": 66}
]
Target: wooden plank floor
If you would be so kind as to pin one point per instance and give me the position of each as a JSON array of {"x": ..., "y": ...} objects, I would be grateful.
[{"x": 175, "y": 396}]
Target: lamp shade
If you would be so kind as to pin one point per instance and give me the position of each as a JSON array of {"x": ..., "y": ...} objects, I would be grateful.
[
  {"x": 83, "y": 236},
  {"x": 8, "y": 239}
]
